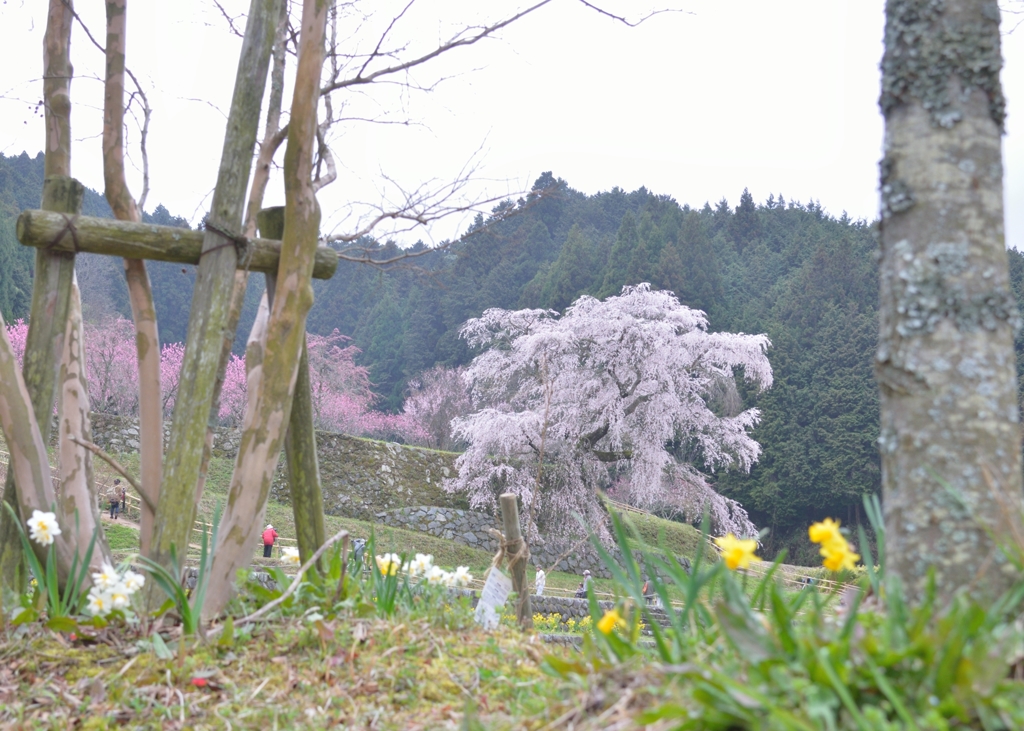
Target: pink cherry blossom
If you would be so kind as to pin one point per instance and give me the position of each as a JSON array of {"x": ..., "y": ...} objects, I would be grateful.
[
  {"x": 17, "y": 333},
  {"x": 436, "y": 397}
]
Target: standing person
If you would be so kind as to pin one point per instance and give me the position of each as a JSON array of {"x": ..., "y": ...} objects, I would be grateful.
[
  {"x": 269, "y": 536},
  {"x": 115, "y": 502},
  {"x": 124, "y": 496},
  {"x": 538, "y": 582}
]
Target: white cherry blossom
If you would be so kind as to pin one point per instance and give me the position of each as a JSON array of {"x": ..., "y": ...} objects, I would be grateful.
[{"x": 614, "y": 390}]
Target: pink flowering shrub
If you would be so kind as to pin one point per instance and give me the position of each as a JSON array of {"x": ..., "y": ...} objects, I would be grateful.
[
  {"x": 171, "y": 356},
  {"x": 111, "y": 367},
  {"x": 436, "y": 398},
  {"x": 17, "y": 333},
  {"x": 342, "y": 394}
]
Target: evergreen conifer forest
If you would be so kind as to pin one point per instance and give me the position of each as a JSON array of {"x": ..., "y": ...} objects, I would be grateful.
[{"x": 784, "y": 268}]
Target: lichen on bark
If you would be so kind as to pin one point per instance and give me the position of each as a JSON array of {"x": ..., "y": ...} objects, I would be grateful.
[{"x": 927, "y": 44}]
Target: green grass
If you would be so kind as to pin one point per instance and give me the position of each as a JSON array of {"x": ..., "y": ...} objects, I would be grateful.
[
  {"x": 121, "y": 538},
  {"x": 679, "y": 538}
]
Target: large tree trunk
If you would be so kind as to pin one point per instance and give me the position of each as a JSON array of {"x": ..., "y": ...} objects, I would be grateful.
[
  {"x": 51, "y": 288},
  {"x": 214, "y": 284},
  {"x": 140, "y": 293},
  {"x": 267, "y": 416},
  {"x": 950, "y": 432}
]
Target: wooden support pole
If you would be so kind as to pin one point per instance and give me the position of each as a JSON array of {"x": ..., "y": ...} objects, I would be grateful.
[
  {"x": 90, "y": 235},
  {"x": 51, "y": 297},
  {"x": 517, "y": 553},
  {"x": 300, "y": 441},
  {"x": 54, "y": 272},
  {"x": 270, "y": 402},
  {"x": 212, "y": 295}
]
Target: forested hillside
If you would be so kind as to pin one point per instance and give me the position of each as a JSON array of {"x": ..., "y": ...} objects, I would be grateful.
[
  {"x": 101, "y": 278},
  {"x": 787, "y": 269}
]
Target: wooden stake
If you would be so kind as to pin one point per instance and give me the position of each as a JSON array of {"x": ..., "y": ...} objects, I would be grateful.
[
  {"x": 300, "y": 441},
  {"x": 517, "y": 553}
]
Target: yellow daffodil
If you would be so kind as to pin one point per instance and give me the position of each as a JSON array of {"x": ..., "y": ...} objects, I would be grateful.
[
  {"x": 389, "y": 564},
  {"x": 834, "y": 547},
  {"x": 610, "y": 621},
  {"x": 824, "y": 532},
  {"x": 838, "y": 556},
  {"x": 737, "y": 552}
]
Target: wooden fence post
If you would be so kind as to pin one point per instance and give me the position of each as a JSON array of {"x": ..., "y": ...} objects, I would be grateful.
[{"x": 517, "y": 553}]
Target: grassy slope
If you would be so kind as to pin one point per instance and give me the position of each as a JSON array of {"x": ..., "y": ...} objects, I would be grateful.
[
  {"x": 680, "y": 539},
  {"x": 409, "y": 674}
]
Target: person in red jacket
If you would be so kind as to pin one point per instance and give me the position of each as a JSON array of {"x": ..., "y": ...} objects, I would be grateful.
[{"x": 269, "y": 536}]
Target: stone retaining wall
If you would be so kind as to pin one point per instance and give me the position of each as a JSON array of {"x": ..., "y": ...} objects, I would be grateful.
[
  {"x": 360, "y": 477},
  {"x": 119, "y": 434}
]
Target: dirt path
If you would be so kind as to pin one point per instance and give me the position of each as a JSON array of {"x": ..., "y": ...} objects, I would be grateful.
[{"x": 121, "y": 520}]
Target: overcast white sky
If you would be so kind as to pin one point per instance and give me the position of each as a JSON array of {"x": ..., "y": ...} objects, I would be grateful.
[{"x": 778, "y": 97}]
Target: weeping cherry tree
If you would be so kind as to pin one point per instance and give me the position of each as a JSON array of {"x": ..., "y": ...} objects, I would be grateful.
[{"x": 614, "y": 387}]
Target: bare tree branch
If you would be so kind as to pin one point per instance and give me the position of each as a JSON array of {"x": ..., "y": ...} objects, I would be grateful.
[
  {"x": 477, "y": 33},
  {"x": 117, "y": 467},
  {"x": 496, "y": 218},
  {"x": 631, "y": 23},
  {"x": 146, "y": 109},
  {"x": 147, "y": 114},
  {"x": 229, "y": 19}
]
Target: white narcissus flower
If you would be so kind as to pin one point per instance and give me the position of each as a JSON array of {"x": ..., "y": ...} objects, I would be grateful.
[
  {"x": 119, "y": 597},
  {"x": 42, "y": 527},
  {"x": 107, "y": 578},
  {"x": 461, "y": 577},
  {"x": 437, "y": 575},
  {"x": 132, "y": 581},
  {"x": 291, "y": 555},
  {"x": 100, "y": 603},
  {"x": 421, "y": 564}
]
